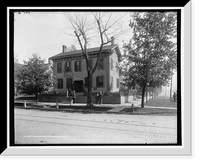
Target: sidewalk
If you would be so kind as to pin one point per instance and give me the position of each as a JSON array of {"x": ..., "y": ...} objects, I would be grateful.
[{"x": 161, "y": 102}]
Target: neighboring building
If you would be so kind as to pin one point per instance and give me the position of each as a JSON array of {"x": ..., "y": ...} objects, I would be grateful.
[{"x": 69, "y": 68}]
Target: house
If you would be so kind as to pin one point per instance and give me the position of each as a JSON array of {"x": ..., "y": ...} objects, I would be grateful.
[{"x": 69, "y": 68}]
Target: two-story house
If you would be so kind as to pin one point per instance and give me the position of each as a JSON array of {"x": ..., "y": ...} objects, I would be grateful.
[{"x": 69, "y": 68}]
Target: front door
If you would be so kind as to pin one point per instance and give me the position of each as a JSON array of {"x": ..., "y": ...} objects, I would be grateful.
[{"x": 78, "y": 86}]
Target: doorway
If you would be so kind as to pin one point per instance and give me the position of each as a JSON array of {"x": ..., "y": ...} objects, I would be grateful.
[{"x": 78, "y": 86}]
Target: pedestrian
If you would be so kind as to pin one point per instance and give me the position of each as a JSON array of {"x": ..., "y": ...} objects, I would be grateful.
[
  {"x": 67, "y": 93},
  {"x": 100, "y": 97},
  {"x": 174, "y": 96},
  {"x": 97, "y": 98},
  {"x": 74, "y": 97}
]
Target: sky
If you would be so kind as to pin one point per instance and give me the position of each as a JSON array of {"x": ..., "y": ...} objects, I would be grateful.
[{"x": 44, "y": 33}]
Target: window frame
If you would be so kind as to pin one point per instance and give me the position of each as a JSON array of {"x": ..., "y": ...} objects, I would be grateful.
[
  {"x": 77, "y": 69},
  {"x": 97, "y": 82},
  {"x": 68, "y": 70},
  {"x": 60, "y": 83},
  {"x": 59, "y": 68}
]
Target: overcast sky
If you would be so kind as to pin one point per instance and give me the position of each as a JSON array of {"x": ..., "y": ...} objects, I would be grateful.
[{"x": 44, "y": 33}]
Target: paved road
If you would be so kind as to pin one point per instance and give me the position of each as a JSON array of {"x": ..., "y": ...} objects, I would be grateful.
[{"x": 42, "y": 127}]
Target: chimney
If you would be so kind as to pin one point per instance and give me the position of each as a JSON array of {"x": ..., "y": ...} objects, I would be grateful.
[
  {"x": 64, "y": 48},
  {"x": 112, "y": 40}
]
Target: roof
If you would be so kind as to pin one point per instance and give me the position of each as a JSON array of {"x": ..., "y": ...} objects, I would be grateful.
[{"x": 90, "y": 50}]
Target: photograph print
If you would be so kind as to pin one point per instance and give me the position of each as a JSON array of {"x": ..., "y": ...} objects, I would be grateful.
[{"x": 95, "y": 77}]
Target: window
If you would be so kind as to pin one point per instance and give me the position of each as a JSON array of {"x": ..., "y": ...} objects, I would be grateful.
[
  {"x": 59, "y": 83},
  {"x": 101, "y": 64},
  {"x": 117, "y": 83},
  {"x": 59, "y": 67},
  {"x": 86, "y": 82},
  {"x": 111, "y": 64},
  {"x": 99, "y": 81},
  {"x": 67, "y": 66},
  {"x": 77, "y": 66},
  {"x": 69, "y": 83}
]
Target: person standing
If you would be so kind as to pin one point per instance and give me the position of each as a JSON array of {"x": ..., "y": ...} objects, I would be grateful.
[
  {"x": 97, "y": 98},
  {"x": 100, "y": 97},
  {"x": 67, "y": 93},
  {"x": 74, "y": 97},
  {"x": 174, "y": 96}
]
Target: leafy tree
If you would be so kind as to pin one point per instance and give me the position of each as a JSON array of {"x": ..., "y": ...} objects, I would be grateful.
[
  {"x": 151, "y": 51},
  {"x": 35, "y": 76}
]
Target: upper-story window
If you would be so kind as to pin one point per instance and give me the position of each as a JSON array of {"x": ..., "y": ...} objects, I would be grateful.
[
  {"x": 77, "y": 65},
  {"x": 99, "y": 81},
  {"x": 67, "y": 66},
  {"x": 59, "y": 67},
  {"x": 101, "y": 64}
]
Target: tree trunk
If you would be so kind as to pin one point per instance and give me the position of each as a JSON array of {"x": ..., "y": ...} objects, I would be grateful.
[
  {"x": 89, "y": 93},
  {"x": 146, "y": 96},
  {"x": 143, "y": 96}
]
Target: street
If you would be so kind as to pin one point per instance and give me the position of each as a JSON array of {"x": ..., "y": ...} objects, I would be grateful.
[{"x": 48, "y": 127}]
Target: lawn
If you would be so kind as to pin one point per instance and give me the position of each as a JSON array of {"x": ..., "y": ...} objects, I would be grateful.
[
  {"x": 149, "y": 111},
  {"x": 161, "y": 102}
]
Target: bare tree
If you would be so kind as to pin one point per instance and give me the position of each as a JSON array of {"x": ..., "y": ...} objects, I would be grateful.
[{"x": 101, "y": 26}]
